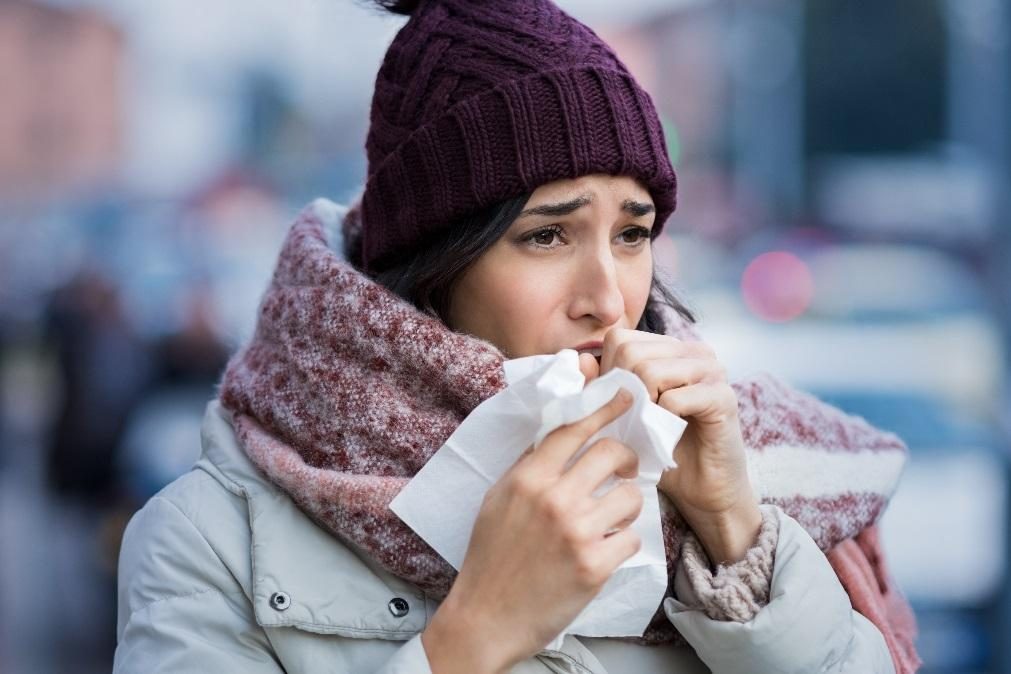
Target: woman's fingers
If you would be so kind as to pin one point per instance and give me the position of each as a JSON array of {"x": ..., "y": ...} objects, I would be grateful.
[
  {"x": 561, "y": 444},
  {"x": 619, "y": 345},
  {"x": 706, "y": 402},
  {"x": 604, "y": 458},
  {"x": 625, "y": 348},
  {"x": 666, "y": 374},
  {"x": 618, "y": 508},
  {"x": 616, "y": 548},
  {"x": 589, "y": 367}
]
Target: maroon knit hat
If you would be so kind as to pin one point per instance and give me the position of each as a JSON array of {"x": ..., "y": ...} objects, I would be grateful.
[{"x": 481, "y": 101}]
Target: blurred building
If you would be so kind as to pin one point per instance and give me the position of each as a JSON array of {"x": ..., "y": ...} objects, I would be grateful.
[{"x": 60, "y": 79}]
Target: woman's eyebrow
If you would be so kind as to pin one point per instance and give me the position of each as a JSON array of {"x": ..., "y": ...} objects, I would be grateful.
[
  {"x": 636, "y": 208},
  {"x": 562, "y": 208}
]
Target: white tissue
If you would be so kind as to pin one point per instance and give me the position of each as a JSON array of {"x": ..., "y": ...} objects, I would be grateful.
[{"x": 442, "y": 501}]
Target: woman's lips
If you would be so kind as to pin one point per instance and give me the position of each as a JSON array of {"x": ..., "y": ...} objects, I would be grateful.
[{"x": 593, "y": 347}]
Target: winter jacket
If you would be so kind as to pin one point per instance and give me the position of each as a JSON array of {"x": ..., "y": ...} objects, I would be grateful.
[{"x": 222, "y": 572}]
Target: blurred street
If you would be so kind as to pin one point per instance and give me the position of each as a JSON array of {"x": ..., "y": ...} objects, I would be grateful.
[{"x": 843, "y": 222}]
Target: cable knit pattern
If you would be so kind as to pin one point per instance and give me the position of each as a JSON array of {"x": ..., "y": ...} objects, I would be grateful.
[
  {"x": 478, "y": 102},
  {"x": 736, "y": 591},
  {"x": 345, "y": 391}
]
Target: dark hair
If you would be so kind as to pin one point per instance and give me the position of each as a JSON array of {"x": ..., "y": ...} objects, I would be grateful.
[
  {"x": 404, "y": 7},
  {"x": 428, "y": 279}
]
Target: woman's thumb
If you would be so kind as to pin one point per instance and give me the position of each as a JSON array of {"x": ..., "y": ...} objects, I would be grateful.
[{"x": 589, "y": 366}]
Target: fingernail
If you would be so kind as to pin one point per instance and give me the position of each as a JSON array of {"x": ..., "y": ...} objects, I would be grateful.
[{"x": 624, "y": 395}]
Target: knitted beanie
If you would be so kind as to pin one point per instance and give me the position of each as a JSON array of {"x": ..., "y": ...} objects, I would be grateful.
[{"x": 478, "y": 101}]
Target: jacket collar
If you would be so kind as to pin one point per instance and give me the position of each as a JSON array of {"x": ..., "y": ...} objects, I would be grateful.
[{"x": 325, "y": 586}]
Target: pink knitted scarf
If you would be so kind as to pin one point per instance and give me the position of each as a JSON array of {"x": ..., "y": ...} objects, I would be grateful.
[{"x": 345, "y": 391}]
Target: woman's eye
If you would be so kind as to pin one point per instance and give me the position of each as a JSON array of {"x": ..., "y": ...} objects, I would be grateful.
[
  {"x": 544, "y": 237},
  {"x": 634, "y": 235},
  {"x": 551, "y": 236}
]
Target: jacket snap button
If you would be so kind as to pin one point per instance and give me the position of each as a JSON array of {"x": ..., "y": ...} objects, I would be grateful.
[
  {"x": 399, "y": 607},
  {"x": 280, "y": 600}
]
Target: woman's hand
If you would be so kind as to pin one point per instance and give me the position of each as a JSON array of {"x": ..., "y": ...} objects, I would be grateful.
[
  {"x": 710, "y": 486},
  {"x": 540, "y": 550}
]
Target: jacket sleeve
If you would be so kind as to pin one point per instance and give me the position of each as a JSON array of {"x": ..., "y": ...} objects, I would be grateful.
[
  {"x": 808, "y": 624},
  {"x": 181, "y": 610}
]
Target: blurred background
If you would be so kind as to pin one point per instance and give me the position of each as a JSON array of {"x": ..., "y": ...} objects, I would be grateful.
[{"x": 842, "y": 222}]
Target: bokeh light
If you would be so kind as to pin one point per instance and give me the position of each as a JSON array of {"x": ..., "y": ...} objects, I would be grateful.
[{"x": 777, "y": 286}]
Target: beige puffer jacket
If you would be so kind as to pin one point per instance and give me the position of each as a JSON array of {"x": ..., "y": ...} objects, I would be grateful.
[{"x": 221, "y": 572}]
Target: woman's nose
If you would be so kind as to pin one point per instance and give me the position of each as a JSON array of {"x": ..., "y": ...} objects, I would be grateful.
[{"x": 596, "y": 290}]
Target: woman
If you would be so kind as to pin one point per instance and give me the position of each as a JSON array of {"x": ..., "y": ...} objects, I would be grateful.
[{"x": 517, "y": 176}]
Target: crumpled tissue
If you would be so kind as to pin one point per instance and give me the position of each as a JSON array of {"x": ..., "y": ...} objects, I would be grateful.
[{"x": 543, "y": 392}]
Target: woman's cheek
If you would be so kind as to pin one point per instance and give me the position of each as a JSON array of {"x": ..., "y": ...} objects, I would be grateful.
[
  {"x": 526, "y": 304},
  {"x": 529, "y": 302}
]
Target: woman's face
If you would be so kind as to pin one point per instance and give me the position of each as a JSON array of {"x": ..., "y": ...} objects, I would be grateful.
[{"x": 574, "y": 264}]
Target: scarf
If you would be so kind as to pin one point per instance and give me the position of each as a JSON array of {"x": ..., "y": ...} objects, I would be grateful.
[{"x": 345, "y": 391}]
